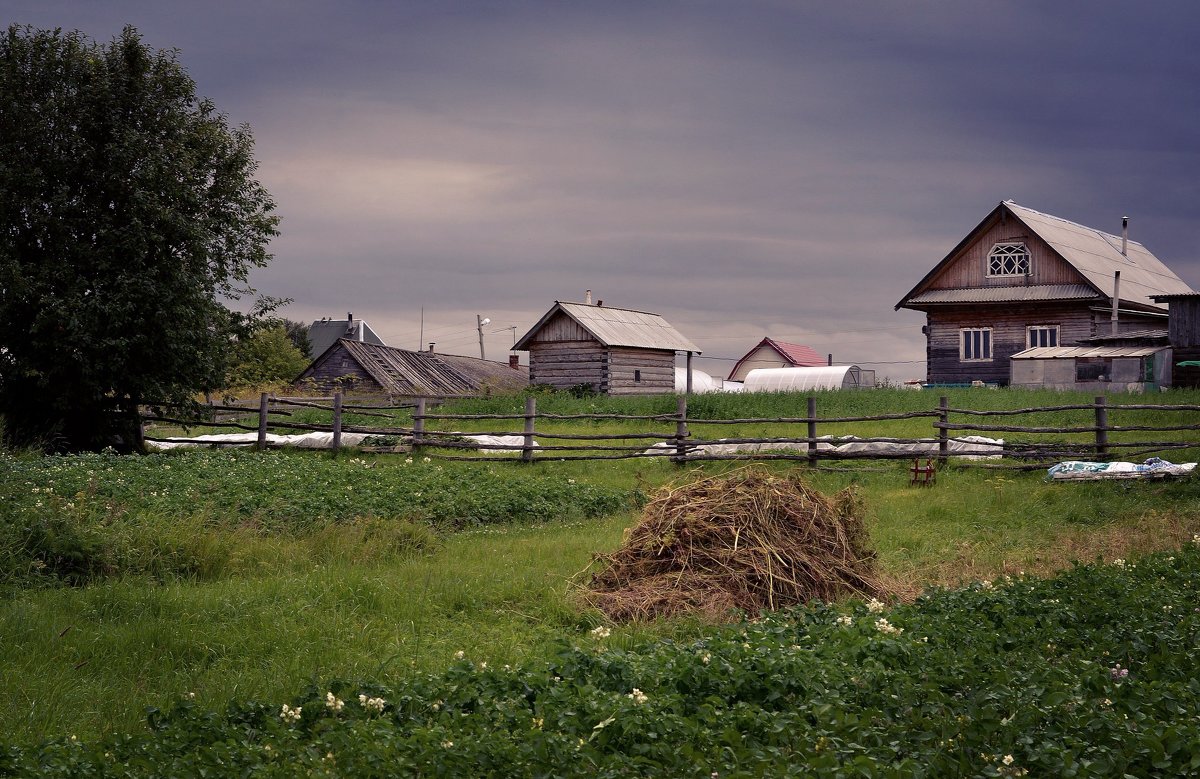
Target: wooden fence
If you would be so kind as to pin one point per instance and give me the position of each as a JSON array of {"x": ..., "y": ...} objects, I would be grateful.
[{"x": 675, "y": 439}]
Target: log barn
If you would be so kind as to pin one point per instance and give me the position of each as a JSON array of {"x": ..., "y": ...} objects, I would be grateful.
[
  {"x": 1024, "y": 279},
  {"x": 1183, "y": 332},
  {"x": 356, "y": 366},
  {"x": 614, "y": 351}
]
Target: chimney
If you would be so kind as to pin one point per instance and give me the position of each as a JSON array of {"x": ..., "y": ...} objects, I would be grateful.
[
  {"x": 514, "y": 361},
  {"x": 587, "y": 297},
  {"x": 599, "y": 303},
  {"x": 1116, "y": 300},
  {"x": 431, "y": 347},
  {"x": 831, "y": 359},
  {"x": 1124, "y": 235}
]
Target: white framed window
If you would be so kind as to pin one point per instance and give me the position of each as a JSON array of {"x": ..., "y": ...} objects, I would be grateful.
[
  {"x": 975, "y": 344},
  {"x": 1041, "y": 335},
  {"x": 1008, "y": 258}
]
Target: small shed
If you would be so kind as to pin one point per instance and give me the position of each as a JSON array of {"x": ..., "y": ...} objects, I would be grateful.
[
  {"x": 1183, "y": 332},
  {"x": 374, "y": 369},
  {"x": 769, "y": 353},
  {"x": 615, "y": 351},
  {"x": 1091, "y": 368},
  {"x": 827, "y": 377}
]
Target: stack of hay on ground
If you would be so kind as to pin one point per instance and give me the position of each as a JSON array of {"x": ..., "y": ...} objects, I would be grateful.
[{"x": 748, "y": 540}]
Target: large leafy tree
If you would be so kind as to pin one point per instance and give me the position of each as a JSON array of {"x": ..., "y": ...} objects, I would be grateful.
[{"x": 129, "y": 216}]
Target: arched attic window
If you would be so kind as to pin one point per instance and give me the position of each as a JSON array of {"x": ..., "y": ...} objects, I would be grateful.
[{"x": 1008, "y": 258}]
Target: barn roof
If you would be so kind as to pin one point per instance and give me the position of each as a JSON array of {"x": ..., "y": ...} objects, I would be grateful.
[
  {"x": 324, "y": 333},
  {"x": 616, "y": 327},
  {"x": 1095, "y": 254},
  {"x": 401, "y": 372}
]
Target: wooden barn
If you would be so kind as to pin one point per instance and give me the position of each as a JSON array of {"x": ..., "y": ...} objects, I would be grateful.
[
  {"x": 769, "y": 353},
  {"x": 360, "y": 367},
  {"x": 1183, "y": 333},
  {"x": 615, "y": 351},
  {"x": 1023, "y": 279}
]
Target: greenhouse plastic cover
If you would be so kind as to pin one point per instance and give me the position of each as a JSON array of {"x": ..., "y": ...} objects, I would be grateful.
[
  {"x": 1154, "y": 468},
  {"x": 799, "y": 379}
]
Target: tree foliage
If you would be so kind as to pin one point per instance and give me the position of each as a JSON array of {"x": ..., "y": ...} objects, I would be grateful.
[
  {"x": 128, "y": 212},
  {"x": 268, "y": 356}
]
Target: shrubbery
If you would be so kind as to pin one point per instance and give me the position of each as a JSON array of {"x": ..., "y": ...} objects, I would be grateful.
[{"x": 1091, "y": 673}]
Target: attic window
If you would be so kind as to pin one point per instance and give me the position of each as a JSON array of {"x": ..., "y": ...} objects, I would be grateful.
[{"x": 1008, "y": 258}]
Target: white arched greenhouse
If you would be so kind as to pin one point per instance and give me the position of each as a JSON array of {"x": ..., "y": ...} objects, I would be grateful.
[
  {"x": 826, "y": 377},
  {"x": 701, "y": 381}
]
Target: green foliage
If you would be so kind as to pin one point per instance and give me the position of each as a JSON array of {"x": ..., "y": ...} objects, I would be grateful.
[
  {"x": 130, "y": 211},
  {"x": 268, "y": 355},
  {"x": 1090, "y": 673}
]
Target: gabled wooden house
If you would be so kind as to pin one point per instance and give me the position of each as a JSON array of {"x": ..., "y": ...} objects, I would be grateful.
[
  {"x": 615, "y": 351},
  {"x": 1023, "y": 279},
  {"x": 360, "y": 367},
  {"x": 769, "y": 353}
]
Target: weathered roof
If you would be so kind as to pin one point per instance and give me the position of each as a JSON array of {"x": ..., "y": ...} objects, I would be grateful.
[
  {"x": 1039, "y": 292},
  {"x": 617, "y": 327},
  {"x": 401, "y": 372},
  {"x": 324, "y": 333},
  {"x": 1149, "y": 334},
  {"x": 1095, "y": 254},
  {"x": 1064, "y": 352}
]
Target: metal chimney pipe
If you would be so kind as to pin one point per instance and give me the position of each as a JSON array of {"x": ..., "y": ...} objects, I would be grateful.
[
  {"x": 1116, "y": 300},
  {"x": 431, "y": 347},
  {"x": 587, "y": 297},
  {"x": 1124, "y": 235}
]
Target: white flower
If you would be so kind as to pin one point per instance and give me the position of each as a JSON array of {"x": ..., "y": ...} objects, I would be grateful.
[
  {"x": 883, "y": 626},
  {"x": 372, "y": 704},
  {"x": 459, "y": 655},
  {"x": 1119, "y": 563},
  {"x": 601, "y": 632},
  {"x": 288, "y": 714},
  {"x": 426, "y": 460},
  {"x": 408, "y": 461},
  {"x": 447, "y": 744},
  {"x": 637, "y": 696},
  {"x": 333, "y": 702},
  {"x": 570, "y": 481},
  {"x": 706, "y": 658},
  {"x": 483, "y": 666},
  {"x": 1008, "y": 760},
  {"x": 846, "y": 620},
  {"x": 875, "y": 606},
  {"x": 985, "y": 585}
]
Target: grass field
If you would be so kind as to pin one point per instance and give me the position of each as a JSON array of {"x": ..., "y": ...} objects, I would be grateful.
[{"x": 129, "y": 582}]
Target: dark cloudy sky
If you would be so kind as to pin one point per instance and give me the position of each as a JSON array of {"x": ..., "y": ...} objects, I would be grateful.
[{"x": 744, "y": 167}]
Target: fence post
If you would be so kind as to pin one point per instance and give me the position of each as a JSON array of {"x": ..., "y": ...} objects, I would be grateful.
[
  {"x": 530, "y": 414},
  {"x": 262, "y": 421},
  {"x": 337, "y": 422},
  {"x": 418, "y": 423},
  {"x": 812, "y": 430},
  {"x": 1101, "y": 425},
  {"x": 681, "y": 430},
  {"x": 943, "y": 433}
]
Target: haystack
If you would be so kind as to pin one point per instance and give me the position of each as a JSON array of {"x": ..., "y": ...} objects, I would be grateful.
[{"x": 749, "y": 540}]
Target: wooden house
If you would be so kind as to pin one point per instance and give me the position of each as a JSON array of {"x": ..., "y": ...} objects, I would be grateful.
[
  {"x": 1023, "y": 279},
  {"x": 360, "y": 367},
  {"x": 1183, "y": 333},
  {"x": 769, "y": 353},
  {"x": 324, "y": 332},
  {"x": 615, "y": 351}
]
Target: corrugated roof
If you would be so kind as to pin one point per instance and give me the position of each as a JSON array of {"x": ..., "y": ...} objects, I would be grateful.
[
  {"x": 324, "y": 333},
  {"x": 800, "y": 356},
  {"x": 401, "y": 372},
  {"x": 1062, "y": 352},
  {"x": 618, "y": 327},
  {"x": 1097, "y": 254},
  {"x": 1038, "y": 292}
]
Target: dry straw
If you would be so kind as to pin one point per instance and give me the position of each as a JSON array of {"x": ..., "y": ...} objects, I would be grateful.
[{"x": 749, "y": 540}]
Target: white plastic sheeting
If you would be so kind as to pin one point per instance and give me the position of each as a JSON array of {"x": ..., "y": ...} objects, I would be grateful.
[
  {"x": 701, "y": 381},
  {"x": 971, "y": 447},
  {"x": 316, "y": 440},
  {"x": 824, "y": 377}
]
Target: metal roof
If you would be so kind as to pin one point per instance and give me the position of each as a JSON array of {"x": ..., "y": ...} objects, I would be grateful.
[
  {"x": 1006, "y": 294},
  {"x": 401, "y": 372},
  {"x": 1095, "y": 254},
  {"x": 617, "y": 327},
  {"x": 799, "y": 356},
  {"x": 324, "y": 333},
  {"x": 1065, "y": 352}
]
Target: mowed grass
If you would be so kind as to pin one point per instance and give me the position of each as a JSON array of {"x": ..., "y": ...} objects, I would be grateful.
[{"x": 298, "y": 603}]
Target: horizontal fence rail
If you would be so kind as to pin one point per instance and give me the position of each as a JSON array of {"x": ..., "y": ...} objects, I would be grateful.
[{"x": 678, "y": 441}]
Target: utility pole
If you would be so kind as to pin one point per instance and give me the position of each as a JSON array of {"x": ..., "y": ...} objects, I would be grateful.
[{"x": 480, "y": 321}]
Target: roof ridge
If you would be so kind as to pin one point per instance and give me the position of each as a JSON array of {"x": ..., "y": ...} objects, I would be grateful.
[{"x": 1098, "y": 231}]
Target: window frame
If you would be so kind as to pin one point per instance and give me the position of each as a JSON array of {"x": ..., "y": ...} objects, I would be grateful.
[
  {"x": 1018, "y": 247},
  {"x": 1029, "y": 330},
  {"x": 986, "y": 343}
]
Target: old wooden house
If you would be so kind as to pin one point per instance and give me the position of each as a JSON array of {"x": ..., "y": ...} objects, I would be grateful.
[
  {"x": 769, "y": 353},
  {"x": 1023, "y": 279},
  {"x": 360, "y": 367},
  {"x": 615, "y": 351},
  {"x": 1183, "y": 333}
]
